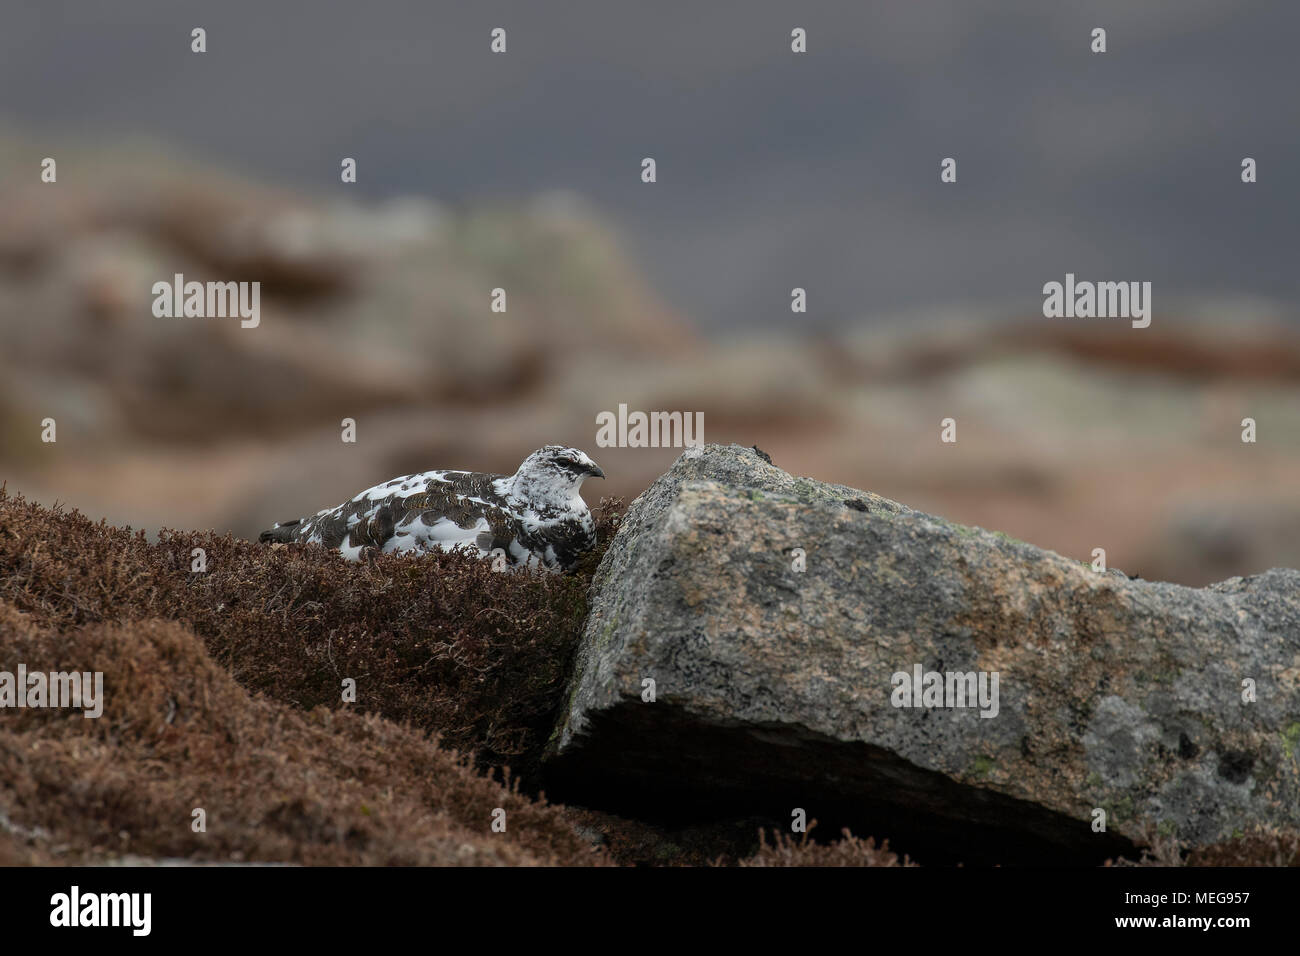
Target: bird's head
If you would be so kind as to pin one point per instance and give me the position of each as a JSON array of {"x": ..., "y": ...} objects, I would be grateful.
[{"x": 554, "y": 475}]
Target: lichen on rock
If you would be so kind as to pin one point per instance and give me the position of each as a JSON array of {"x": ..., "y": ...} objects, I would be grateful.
[{"x": 775, "y": 684}]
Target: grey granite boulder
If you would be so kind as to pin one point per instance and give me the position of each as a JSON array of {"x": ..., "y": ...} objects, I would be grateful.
[{"x": 778, "y": 689}]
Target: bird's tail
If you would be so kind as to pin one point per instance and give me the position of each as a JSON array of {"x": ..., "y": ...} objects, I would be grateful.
[{"x": 282, "y": 533}]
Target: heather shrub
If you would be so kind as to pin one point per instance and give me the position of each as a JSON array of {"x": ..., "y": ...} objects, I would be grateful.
[
  {"x": 785, "y": 850},
  {"x": 275, "y": 783},
  {"x": 1255, "y": 846},
  {"x": 224, "y": 691},
  {"x": 439, "y": 641}
]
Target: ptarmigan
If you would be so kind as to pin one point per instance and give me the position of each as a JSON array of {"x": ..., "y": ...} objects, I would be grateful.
[{"x": 536, "y": 517}]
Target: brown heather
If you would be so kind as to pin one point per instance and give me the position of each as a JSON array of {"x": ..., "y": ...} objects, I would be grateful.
[
  {"x": 439, "y": 641},
  {"x": 785, "y": 850},
  {"x": 223, "y": 691},
  {"x": 1256, "y": 846},
  {"x": 277, "y": 784}
]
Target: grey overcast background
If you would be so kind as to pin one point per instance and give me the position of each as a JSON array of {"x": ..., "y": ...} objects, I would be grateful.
[{"x": 775, "y": 169}]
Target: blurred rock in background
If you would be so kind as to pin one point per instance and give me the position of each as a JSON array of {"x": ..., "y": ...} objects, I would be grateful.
[{"x": 1071, "y": 434}]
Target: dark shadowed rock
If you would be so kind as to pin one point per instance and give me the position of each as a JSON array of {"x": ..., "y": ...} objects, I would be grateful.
[{"x": 774, "y": 686}]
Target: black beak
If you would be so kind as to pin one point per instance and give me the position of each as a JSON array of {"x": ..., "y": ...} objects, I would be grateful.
[{"x": 595, "y": 471}]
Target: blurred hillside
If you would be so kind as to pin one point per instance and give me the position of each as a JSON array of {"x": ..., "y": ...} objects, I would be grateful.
[
  {"x": 1072, "y": 436},
  {"x": 776, "y": 169}
]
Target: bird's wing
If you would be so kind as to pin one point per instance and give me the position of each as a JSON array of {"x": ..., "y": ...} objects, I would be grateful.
[
  {"x": 453, "y": 509},
  {"x": 434, "y": 509}
]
